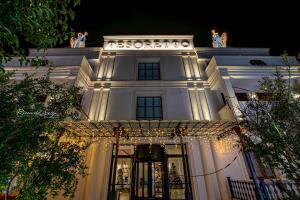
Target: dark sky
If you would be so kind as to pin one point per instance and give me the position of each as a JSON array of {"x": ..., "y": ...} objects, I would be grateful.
[{"x": 248, "y": 23}]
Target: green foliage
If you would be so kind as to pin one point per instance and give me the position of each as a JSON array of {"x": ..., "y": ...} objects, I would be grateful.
[
  {"x": 39, "y": 23},
  {"x": 33, "y": 148},
  {"x": 38, "y": 62},
  {"x": 274, "y": 125}
]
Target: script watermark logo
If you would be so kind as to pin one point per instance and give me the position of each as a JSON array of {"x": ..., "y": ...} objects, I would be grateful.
[{"x": 41, "y": 113}]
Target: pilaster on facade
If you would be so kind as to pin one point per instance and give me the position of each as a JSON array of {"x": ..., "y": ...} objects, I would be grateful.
[
  {"x": 194, "y": 104},
  {"x": 103, "y": 104},
  {"x": 99, "y": 103},
  {"x": 96, "y": 98},
  {"x": 187, "y": 68},
  {"x": 194, "y": 63},
  {"x": 191, "y": 67},
  {"x": 106, "y": 66},
  {"x": 204, "y": 104},
  {"x": 109, "y": 67},
  {"x": 102, "y": 66},
  {"x": 211, "y": 182},
  {"x": 199, "y": 183}
]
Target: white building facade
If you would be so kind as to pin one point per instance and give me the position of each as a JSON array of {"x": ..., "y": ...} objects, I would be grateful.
[{"x": 159, "y": 80}]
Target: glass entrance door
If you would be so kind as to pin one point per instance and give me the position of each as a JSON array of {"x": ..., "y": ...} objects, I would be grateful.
[
  {"x": 149, "y": 172},
  {"x": 149, "y": 180},
  {"x": 149, "y": 177}
]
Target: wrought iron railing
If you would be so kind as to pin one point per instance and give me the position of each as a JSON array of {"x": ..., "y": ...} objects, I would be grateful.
[
  {"x": 270, "y": 189},
  {"x": 241, "y": 189}
]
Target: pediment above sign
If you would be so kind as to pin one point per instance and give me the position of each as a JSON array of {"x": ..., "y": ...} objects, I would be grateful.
[{"x": 151, "y": 42}]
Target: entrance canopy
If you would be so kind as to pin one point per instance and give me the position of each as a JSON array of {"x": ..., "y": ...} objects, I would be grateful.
[{"x": 149, "y": 128}]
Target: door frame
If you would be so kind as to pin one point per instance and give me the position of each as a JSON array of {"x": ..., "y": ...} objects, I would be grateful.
[
  {"x": 183, "y": 155},
  {"x": 150, "y": 187}
]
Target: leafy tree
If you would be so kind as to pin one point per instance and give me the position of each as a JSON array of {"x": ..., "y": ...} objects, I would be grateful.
[
  {"x": 273, "y": 125},
  {"x": 38, "y": 23},
  {"x": 34, "y": 151},
  {"x": 35, "y": 156}
]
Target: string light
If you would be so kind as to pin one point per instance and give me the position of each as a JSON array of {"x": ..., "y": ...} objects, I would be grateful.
[
  {"x": 226, "y": 145},
  {"x": 221, "y": 142}
]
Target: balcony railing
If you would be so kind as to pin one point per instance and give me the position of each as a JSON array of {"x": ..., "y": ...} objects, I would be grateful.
[{"x": 270, "y": 189}]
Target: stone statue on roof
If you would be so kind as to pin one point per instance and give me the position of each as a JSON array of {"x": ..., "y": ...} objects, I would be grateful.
[
  {"x": 219, "y": 41},
  {"x": 78, "y": 42}
]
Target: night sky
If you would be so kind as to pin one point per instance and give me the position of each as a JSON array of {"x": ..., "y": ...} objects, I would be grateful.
[{"x": 248, "y": 23}]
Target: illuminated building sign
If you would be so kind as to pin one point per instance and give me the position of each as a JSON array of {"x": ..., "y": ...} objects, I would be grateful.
[{"x": 148, "y": 42}]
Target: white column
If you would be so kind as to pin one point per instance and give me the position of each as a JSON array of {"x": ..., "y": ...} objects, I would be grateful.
[
  {"x": 84, "y": 185},
  {"x": 106, "y": 172},
  {"x": 103, "y": 104},
  {"x": 194, "y": 104},
  {"x": 204, "y": 107},
  {"x": 80, "y": 190},
  {"x": 102, "y": 67},
  {"x": 198, "y": 183},
  {"x": 199, "y": 105},
  {"x": 211, "y": 181},
  {"x": 93, "y": 188},
  {"x": 93, "y": 112},
  {"x": 191, "y": 67},
  {"x": 220, "y": 176},
  {"x": 95, "y": 184},
  {"x": 187, "y": 70},
  {"x": 109, "y": 68},
  {"x": 195, "y": 67}
]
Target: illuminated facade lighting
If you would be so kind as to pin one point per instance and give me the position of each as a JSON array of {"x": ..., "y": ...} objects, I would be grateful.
[{"x": 186, "y": 99}]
